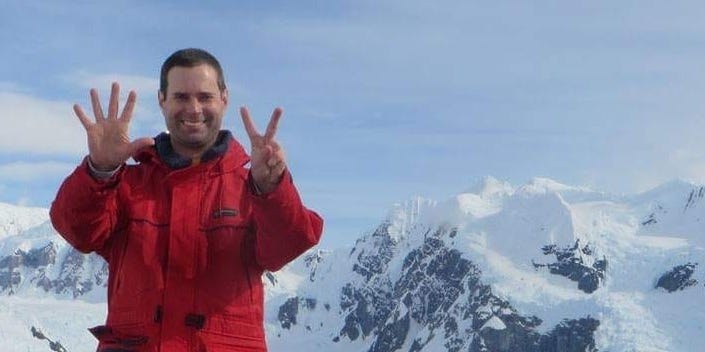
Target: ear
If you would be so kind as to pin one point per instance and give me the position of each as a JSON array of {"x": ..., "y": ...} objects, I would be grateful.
[
  {"x": 161, "y": 98},
  {"x": 224, "y": 95}
]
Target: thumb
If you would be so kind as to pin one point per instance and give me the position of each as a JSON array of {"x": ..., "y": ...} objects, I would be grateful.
[{"x": 138, "y": 144}]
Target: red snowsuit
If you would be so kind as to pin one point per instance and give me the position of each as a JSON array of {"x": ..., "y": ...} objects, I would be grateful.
[{"x": 186, "y": 247}]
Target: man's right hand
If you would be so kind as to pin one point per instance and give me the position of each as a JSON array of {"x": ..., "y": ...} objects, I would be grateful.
[{"x": 109, "y": 144}]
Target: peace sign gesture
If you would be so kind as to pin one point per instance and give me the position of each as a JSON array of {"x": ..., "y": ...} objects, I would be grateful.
[{"x": 267, "y": 156}]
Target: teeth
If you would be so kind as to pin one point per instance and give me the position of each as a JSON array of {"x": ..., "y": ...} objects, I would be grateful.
[{"x": 192, "y": 123}]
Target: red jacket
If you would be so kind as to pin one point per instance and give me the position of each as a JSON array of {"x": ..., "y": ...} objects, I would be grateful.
[{"x": 186, "y": 248}]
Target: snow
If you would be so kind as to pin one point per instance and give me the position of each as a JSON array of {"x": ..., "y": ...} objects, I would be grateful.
[
  {"x": 15, "y": 219},
  {"x": 494, "y": 323},
  {"x": 60, "y": 320},
  {"x": 499, "y": 227}
]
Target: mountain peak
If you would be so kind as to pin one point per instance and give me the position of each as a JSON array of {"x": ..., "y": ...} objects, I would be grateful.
[
  {"x": 677, "y": 185},
  {"x": 544, "y": 185},
  {"x": 490, "y": 187}
]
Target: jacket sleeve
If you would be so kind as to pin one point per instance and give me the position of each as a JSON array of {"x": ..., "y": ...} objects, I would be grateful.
[
  {"x": 85, "y": 210},
  {"x": 285, "y": 229}
]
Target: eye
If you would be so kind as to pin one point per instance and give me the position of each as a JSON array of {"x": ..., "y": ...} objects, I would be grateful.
[
  {"x": 205, "y": 98},
  {"x": 180, "y": 97}
]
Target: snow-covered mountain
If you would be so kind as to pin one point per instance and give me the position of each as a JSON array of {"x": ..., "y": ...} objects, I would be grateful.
[{"x": 538, "y": 267}]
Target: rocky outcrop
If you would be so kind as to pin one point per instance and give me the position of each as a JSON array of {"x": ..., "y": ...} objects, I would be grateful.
[
  {"x": 574, "y": 263},
  {"x": 694, "y": 197},
  {"x": 436, "y": 301},
  {"x": 374, "y": 252},
  {"x": 290, "y": 309},
  {"x": 679, "y": 278},
  {"x": 78, "y": 274},
  {"x": 36, "y": 258}
]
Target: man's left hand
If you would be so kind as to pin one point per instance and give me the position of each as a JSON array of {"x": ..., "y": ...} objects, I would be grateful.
[{"x": 267, "y": 156}]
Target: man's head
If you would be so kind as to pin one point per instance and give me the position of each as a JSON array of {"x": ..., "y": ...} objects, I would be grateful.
[
  {"x": 193, "y": 99},
  {"x": 189, "y": 58}
]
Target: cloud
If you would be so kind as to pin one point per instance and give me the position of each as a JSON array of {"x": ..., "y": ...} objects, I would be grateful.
[{"x": 38, "y": 126}]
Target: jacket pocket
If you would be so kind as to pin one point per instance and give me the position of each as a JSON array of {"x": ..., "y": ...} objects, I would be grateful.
[
  {"x": 232, "y": 333},
  {"x": 143, "y": 253}
]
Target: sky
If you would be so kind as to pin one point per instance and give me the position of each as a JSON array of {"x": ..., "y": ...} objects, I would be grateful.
[{"x": 383, "y": 100}]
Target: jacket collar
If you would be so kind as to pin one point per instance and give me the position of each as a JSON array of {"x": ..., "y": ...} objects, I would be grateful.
[{"x": 225, "y": 145}]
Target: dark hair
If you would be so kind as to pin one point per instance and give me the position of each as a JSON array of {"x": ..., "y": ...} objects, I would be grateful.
[{"x": 190, "y": 57}]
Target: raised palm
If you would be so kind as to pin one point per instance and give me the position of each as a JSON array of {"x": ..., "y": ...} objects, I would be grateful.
[{"x": 109, "y": 144}]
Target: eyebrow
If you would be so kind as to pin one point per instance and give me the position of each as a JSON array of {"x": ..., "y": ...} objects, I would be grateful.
[{"x": 197, "y": 94}]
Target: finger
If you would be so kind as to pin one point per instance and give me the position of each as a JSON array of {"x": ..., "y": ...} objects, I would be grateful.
[
  {"x": 275, "y": 154},
  {"x": 279, "y": 154},
  {"x": 85, "y": 121},
  {"x": 97, "y": 109},
  {"x": 129, "y": 107},
  {"x": 272, "y": 162},
  {"x": 273, "y": 123},
  {"x": 114, "y": 101},
  {"x": 249, "y": 125},
  {"x": 276, "y": 147}
]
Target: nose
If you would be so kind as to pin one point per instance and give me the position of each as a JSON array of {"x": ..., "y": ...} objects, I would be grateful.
[{"x": 194, "y": 106}]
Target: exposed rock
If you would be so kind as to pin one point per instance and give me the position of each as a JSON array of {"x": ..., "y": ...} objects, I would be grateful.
[
  {"x": 290, "y": 309},
  {"x": 571, "y": 336},
  {"x": 571, "y": 262},
  {"x": 41, "y": 257},
  {"x": 312, "y": 261},
  {"x": 393, "y": 335},
  {"x": 362, "y": 305},
  {"x": 678, "y": 278},
  {"x": 72, "y": 277},
  {"x": 8, "y": 279},
  {"x": 374, "y": 262},
  {"x": 441, "y": 294},
  {"x": 694, "y": 196}
]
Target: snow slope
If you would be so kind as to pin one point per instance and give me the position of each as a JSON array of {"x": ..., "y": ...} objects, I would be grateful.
[{"x": 538, "y": 267}]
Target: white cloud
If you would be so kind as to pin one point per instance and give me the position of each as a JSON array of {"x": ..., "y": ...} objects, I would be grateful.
[{"x": 38, "y": 126}]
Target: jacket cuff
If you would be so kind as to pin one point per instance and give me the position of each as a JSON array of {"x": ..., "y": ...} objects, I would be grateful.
[
  {"x": 282, "y": 189},
  {"x": 93, "y": 177},
  {"x": 98, "y": 174}
]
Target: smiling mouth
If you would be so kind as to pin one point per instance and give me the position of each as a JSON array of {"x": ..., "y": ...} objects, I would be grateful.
[{"x": 193, "y": 123}]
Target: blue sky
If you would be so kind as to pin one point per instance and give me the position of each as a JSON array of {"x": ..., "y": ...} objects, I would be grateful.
[{"x": 383, "y": 100}]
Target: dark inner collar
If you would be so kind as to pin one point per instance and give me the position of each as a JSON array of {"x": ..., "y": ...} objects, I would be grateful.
[{"x": 175, "y": 161}]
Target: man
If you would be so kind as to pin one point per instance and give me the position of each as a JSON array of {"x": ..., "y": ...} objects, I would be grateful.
[{"x": 188, "y": 230}]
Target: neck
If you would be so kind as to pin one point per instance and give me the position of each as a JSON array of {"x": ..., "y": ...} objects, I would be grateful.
[{"x": 191, "y": 153}]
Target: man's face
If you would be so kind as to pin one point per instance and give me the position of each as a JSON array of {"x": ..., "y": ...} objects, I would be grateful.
[{"x": 193, "y": 108}]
